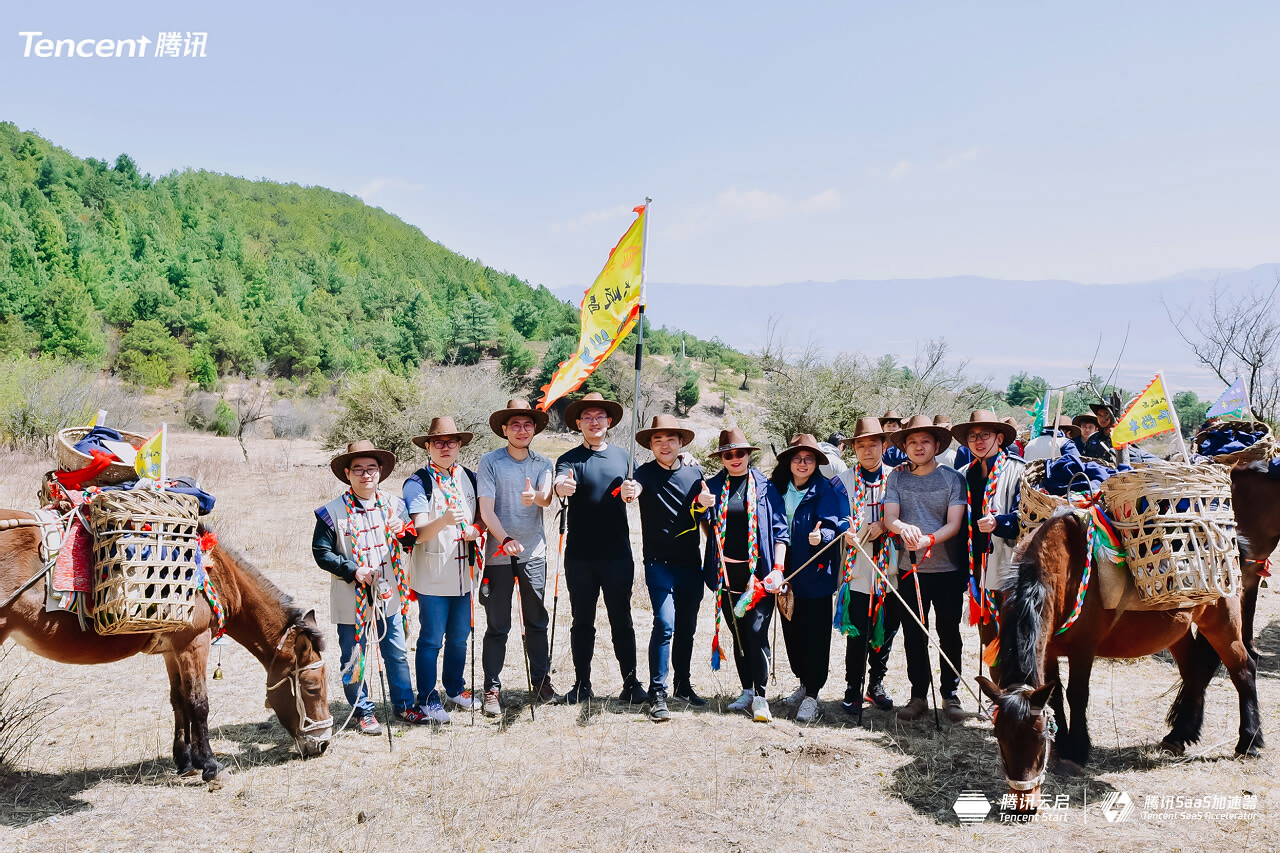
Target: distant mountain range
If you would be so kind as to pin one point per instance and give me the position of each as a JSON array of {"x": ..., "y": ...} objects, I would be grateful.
[{"x": 1049, "y": 328}]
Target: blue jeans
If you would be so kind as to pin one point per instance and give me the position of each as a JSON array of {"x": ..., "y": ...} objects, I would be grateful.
[
  {"x": 393, "y": 654},
  {"x": 446, "y": 620},
  {"x": 675, "y": 594}
]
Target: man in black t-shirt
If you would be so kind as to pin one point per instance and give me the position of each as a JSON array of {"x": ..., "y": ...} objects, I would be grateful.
[
  {"x": 597, "y": 556},
  {"x": 673, "y": 500}
]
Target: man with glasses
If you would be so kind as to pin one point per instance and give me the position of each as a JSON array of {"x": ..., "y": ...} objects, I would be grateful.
[
  {"x": 513, "y": 485},
  {"x": 441, "y": 497},
  {"x": 359, "y": 538},
  {"x": 597, "y": 559}
]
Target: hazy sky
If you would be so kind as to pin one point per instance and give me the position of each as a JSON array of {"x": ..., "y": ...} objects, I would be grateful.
[{"x": 781, "y": 142}]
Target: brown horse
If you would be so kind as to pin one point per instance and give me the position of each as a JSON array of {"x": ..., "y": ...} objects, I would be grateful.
[
  {"x": 259, "y": 617},
  {"x": 1255, "y": 497},
  {"x": 1041, "y": 601}
]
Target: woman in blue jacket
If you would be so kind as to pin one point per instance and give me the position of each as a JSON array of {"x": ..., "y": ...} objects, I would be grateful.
[
  {"x": 816, "y": 513},
  {"x": 747, "y": 538}
]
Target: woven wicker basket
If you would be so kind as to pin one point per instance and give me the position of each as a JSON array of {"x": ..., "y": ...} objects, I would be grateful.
[
  {"x": 1035, "y": 506},
  {"x": 144, "y": 561},
  {"x": 1263, "y": 448},
  {"x": 1179, "y": 532},
  {"x": 70, "y": 459}
]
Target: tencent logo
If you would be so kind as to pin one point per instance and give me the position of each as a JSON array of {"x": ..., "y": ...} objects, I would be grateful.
[
  {"x": 972, "y": 807},
  {"x": 1117, "y": 807}
]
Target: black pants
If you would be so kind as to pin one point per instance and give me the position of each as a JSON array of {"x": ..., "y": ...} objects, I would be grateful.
[
  {"x": 751, "y": 655},
  {"x": 807, "y": 636},
  {"x": 497, "y": 608},
  {"x": 587, "y": 579},
  {"x": 877, "y": 663},
  {"x": 943, "y": 593}
]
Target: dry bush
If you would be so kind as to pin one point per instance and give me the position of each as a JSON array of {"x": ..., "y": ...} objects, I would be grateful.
[
  {"x": 296, "y": 418},
  {"x": 39, "y": 396},
  {"x": 23, "y": 707}
]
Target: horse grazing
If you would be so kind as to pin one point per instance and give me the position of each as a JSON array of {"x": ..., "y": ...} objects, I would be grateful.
[
  {"x": 258, "y": 616},
  {"x": 1041, "y": 600},
  {"x": 1255, "y": 497}
]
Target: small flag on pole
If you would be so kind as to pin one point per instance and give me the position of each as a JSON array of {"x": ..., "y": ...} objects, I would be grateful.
[
  {"x": 609, "y": 311},
  {"x": 149, "y": 462},
  {"x": 1150, "y": 414},
  {"x": 1233, "y": 400},
  {"x": 100, "y": 419},
  {"x": 1039, "y": 415}
]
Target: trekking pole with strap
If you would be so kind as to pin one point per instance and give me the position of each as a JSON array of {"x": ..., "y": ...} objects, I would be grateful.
[
  {"x": 555, "y": 598},
  {"x": 524, "y": 640},
  {"x": 915, "y": 579},
  {"x": 377, "y": 655},
  {"x": 471, "y": 598}
]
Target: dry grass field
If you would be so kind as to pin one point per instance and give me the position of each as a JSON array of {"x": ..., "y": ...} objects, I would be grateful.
[{"x": 600, "y": 778}]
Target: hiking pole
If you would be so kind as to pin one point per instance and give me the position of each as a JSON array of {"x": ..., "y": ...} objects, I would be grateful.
[
  {"x": 555, "y": 599},
  {"x": 471, "y": 598},
  {"x": 377, "y": 655},
  {"x": 524, "y": 640},
  {"x": 933, "y": 688}
]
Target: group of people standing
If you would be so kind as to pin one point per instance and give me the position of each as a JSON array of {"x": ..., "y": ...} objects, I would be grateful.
[{"x": 877, "y": 549}]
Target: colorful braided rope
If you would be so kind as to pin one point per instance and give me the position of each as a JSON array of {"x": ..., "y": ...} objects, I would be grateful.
[{"x": 364, "y": 609}]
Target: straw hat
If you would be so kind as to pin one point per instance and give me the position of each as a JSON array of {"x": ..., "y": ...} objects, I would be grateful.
[
  {"x": 1065, "y": 426},
  {"x": 663, "y": 423},
  {"x": 593, "y": 400},
  {"x": 442, "y": 428},
  {"x": 517, "y": 407},
  {"x": 803, "y": 441},
  {"x": 985, "y": 418},
  {"x": 890, "y": 416},
  {"x": 921, "y": 423},
  {"x": 865, "y": 428},
  {"x": 385, "y": 458},
  {"x": 733, "y": 439}
]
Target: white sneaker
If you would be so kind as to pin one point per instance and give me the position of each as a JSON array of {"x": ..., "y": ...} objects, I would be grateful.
[
  {"x": 434, "y": 712},
  {"x": 795, "y": 698},
  {"x": 760, "y": 710},
  {"x": 808, "y": 710},
  {"x": 463, "y": 701},
  {"x": 743, "y": 702}
]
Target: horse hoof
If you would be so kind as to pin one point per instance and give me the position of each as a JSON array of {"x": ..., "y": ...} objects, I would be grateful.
[
  {"x": 1249, "y": 749},
  {"x": 213, "y": 773},
  {"x": 188, "y": 772},
  {"x": 1067, "y": 767},
  {"x": 1173, "y": 747}
]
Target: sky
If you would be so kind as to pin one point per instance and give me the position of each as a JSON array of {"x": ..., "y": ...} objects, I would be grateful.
[{"x": 780, "y": 143}]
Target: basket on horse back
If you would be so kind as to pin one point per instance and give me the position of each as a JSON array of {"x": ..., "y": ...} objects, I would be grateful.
[
  {"x": 70, "y": 459},
  {"x": 1263, "y": 449},
  {"x": 145, "y": 575},
  {"x": 1179, "y": 531},
  {"x": 1035, "y": 506}
]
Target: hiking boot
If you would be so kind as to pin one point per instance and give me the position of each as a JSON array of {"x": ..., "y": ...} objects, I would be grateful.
[
  {"x": 413, "y": 717},
  {"x": 852, "y": 702},
  {"x": 580, "y": 692},
  {"x": 743, "y": 702},
  {"x": 434, "y": 712},
  {"x": 369, "y": 725},
  {"x": 794, "y": 700},
  {"x": 954, "y": 710},
  {"x": 658, "y": 706},
  {"x": 760, "y": 710},
  {"x": 464, "y": 701},
  {"x": 545, "y": 692},
  {"x": 808, "y": 710},
  {"x": 684, "y": 692},
  {"x": 880, "y": 697},
  {"x": 632, "y": 693},
  {"x": 492, "y": 706},
  {"x": 913, "y": 709}
]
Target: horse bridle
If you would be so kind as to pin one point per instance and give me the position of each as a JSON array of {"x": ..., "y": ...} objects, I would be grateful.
[
  {"x": 306, "y": 725},
  {"x": 1050, "y": 729}
]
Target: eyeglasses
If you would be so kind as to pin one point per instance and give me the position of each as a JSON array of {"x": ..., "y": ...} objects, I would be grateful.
[
  {"x": 735, "y": 454},
  {"x": 975, "y": 435},
  {"x": 804, "y": 459},
  {"x": 593, "y": 418},
  {"x": 364, "y": 472},
  {"x": 446, "y": 444}
]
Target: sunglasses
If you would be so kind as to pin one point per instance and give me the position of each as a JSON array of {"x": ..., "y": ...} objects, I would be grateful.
[{"x": 735, "y": 454}]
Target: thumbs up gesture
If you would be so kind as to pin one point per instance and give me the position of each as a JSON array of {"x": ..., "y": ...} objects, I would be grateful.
[
  {"x": 565, "y": 484},
  {"x": 527, "y": 496},
  {"x": 815, "y": 535},
  {"x": 705, "y": 498}
]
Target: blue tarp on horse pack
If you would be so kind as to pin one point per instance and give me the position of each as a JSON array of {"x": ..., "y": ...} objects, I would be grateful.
[
  {"x": 1071, "y": 471},
  {"x": 93, "y": 441},
  {"x": 1229, "y": 439}
]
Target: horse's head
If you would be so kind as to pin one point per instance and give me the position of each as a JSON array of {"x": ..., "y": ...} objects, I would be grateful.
[
  {"x": 297, "y": 689},
  {"x": 1024, "y": 728}
]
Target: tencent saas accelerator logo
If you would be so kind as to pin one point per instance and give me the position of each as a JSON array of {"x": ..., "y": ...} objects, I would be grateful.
[{"x": 1117, "y": 807}]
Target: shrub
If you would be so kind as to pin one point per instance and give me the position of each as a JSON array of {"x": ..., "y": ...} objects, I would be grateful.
[
  {"x": 295, "y": 418},
  {"x": 39, "y": 396},
  {"x": 151, "y": 357}
]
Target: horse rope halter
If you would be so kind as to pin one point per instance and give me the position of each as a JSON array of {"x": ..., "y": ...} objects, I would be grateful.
[
  {"x": 1050, "y": 729},
  {"x": 306, "y": 725}
]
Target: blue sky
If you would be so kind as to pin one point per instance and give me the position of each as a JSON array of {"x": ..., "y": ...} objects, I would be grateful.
[{"x": 780, "y": 143}]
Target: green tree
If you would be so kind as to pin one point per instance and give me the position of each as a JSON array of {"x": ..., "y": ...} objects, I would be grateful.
[
  {"x": 1024, "y": 390},
  {"x": 517, "y": 359},
  {"x": 560, "y": 349},
  {"x": 525, "y": 319},
  {"x": 687, "y": 394},
  {"x": 1190, "y": 409},
  {"x": 471, "y": 324},
  {"x": 150, "y": 356}
]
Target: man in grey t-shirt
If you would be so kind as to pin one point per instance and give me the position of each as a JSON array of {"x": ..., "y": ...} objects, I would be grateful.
[
  {"x": 513, "y": 484},
  {"x": 924, "y": 506}
]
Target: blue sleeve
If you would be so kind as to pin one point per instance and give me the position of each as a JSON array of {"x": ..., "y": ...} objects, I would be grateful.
[
  {"x": 777, "y": 514},
  {"x": 415, "y": 495},
  {"x": 832, "y": 513}
]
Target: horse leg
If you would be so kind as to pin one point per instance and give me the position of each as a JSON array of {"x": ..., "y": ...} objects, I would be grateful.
[
  {"x": 1052, "y": 675},
  {"x": 1197, "y": 662},
  {"x": 1080, "y": 668},
  {"x": 193, "y": 662},
  {"x": 1224, "y": 634},
  {"x": 181, "y": 718},
  {"x": 1251, "y": 580}
]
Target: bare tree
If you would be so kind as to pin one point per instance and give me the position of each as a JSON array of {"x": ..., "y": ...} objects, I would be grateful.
[{"x": 253, "y": 404}]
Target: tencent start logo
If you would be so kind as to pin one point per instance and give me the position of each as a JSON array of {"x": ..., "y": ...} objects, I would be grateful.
[{"x": 972, "y": 807}]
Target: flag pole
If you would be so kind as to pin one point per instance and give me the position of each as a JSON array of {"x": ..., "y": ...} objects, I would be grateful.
[
  {"x": 164, "y": 434},
  {"x": 1057, "y": 445},
  {"x": 1173, "y": 415},
  {"x": 635, "y": 400}
]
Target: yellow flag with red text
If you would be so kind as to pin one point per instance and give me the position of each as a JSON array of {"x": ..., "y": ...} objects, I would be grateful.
[
  {"x": 1150, "y": 414},
  {"x": 609, "y": 310}
]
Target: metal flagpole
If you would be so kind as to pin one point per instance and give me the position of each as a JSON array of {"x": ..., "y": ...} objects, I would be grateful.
[{"x": 635, "y": 400}]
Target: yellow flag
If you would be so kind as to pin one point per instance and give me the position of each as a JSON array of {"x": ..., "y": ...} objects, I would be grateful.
[
  {"x": 100, "y": 419},
  {"x": 149, "y": 463},
  {"x": 609, "y": 310},
  {"x": 1150, "y": 414}
]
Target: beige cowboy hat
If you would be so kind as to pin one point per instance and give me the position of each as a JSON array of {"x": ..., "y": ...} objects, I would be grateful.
[
  {"x": 985, "y": 418},
  {"x": 385, "y": 458},
  {"x": 1085, "y": 419},
  {"x": 890, "y": 416},
  {"x": 1065, "y": 425},
  {"x": 442, "y": 428},
  {"x": 921, "y": 423},
  {"x": 663, "y": 423},
  {"x": 942, "y": 421},
  {"x": 592, "y": 400},
  {"x": 733, "y": 439},
  {"x": 517, "y": 407},
  {"x": 803, "y": 441},
  {"x": 865, "y": 428}
]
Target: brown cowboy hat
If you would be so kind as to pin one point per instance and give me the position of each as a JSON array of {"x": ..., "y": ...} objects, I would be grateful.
[
  {"x": 517, "y": 407},
  {"x": 865, "y": 428},
  {"x": 386, "y": 460},
  {"x": 1085, "y": 419},
  {"x": 1010, "y": 421},
  {"x": 592, "y": 400},
  {"x": 442, "y": 428},
  {"x": 921, "y": 423},
  {"x": 1099, "y": 408},
  {"x": 890, "y": 415},
  {"x": 983, "y": 417},
  {"x": 803, "y": 441},
  {"x": 663, "y": 423},
  {"x": 942, "y": 420},
  {"x": 733, "y": 439},
  {"x": 1065, "y": 425}
]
